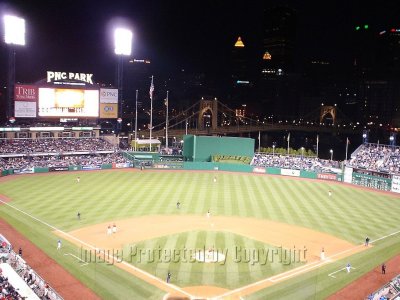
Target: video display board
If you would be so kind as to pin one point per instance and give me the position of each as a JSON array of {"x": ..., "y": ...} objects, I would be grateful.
[{"x": 64, "y": 102}]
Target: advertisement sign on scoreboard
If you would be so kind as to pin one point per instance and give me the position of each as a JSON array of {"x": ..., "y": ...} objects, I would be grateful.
[
  {"x": 108, "y": 95},
  {"x": 108, "y": 110},
  {"x": 25, "y": 93},
  {"x": 25, "y": 97},
  {"x": 25, "y": 109},
  {"x": 64, "y": 102}
]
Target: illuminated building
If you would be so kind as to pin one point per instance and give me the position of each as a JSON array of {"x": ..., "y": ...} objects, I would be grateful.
[{"x": 278, "y": 41}]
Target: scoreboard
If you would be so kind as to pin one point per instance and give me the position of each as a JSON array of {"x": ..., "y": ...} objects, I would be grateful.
[{"x": 373, "y": 180}]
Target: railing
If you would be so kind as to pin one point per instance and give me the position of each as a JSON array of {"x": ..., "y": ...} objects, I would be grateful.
[{"x": 20, "y": 266}]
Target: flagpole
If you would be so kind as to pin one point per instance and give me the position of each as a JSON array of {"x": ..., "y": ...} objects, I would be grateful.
[
  {"x": 347, "y": 146},
  {"x": 166, "y": 123},
  {"x": 317, "y": 144},
  {"x": 137, "y": 92},
  {"x": 151, "y": 108}
]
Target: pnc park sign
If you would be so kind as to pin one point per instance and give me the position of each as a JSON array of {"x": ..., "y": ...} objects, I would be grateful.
[{"x": 54, "y": 76}]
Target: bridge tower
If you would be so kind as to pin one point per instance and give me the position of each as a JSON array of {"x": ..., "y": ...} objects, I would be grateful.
[
  {"x": 327, "y": 110},
  {"x": 210, "y": 106}
]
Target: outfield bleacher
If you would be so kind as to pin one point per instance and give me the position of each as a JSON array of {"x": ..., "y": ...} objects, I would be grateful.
[
  {"x": 294, "y": 162},
  {"x": 377, "y": 158}
]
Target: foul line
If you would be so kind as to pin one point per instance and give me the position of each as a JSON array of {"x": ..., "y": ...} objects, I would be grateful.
[
  {"x": 92, "y": 247},
  {"x": 302, "y": 269},
  {"x": 80, "y": 260},
  {"x": 331, "y": 274},
  {"x": 272, "y": 279}
]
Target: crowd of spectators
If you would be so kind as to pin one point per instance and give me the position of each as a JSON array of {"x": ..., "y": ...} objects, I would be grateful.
[
  {"x": 7, "y": 291},
  {"x": 33, "y": 280},
  {"x": 294, "y": 162},
  {"x": 374, "y": 157},
  {"x": 388, "y": 291},
  {"x": 53, "y": 145},
  {"x": 61, "y": 160},
  {"x": 57, "y": 152}
]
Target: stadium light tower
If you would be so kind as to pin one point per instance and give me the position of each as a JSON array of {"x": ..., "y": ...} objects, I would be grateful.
[
  {"x": 14, "y": 35},
  {"x": 123, "y": 47},
  {"x": 331, "y": 152}
]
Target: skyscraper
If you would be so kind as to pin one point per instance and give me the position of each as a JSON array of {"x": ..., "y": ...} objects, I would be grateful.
[{"x": 278, "y": 41}]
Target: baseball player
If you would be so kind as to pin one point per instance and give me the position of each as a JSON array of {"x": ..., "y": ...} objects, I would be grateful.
[
  {"x": 323, "y": 254},
  {"x": 208, "y": 214},
  {"x": 58, "y": 244},
  {"x": 329, "y": 193},
  {"x": 78, "y": 179},
  {"x": 114, "y": 229},
  {"x": 109, "y": 230},
  {"x": 348, "y": 267}
]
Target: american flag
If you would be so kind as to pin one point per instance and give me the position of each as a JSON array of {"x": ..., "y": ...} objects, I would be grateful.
[{"x": 151, "y": 88}]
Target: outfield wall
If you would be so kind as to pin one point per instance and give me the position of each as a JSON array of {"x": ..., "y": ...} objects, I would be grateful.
[
  {"x": 202, "y": 148},
  {"x": 374, "y": 180}
]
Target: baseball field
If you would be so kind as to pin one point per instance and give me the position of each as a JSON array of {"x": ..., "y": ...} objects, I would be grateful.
[{"x": 262, "y": 238}]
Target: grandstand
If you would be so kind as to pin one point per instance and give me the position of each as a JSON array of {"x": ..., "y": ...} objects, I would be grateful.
[
  {"x": 391, "y": 290},
  {"x": 18, "y": 280}
]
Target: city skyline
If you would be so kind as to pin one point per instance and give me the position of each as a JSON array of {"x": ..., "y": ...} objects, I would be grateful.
[
  {"x": 175, "y": 35},
  {"x": 327, "y": 52}
]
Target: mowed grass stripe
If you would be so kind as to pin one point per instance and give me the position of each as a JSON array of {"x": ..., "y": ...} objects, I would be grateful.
[
  {"x": 337, "y": 208},
  {"x": 189, "y": 204},
  {"x": 293, "y": 198},
  {"x": 314, "y": 203},
  {"x": 240, "y": 198},
  {"x": 197, "y": 269},
  {"x": 162, "y": 200},
  {"x": 281, "y": 199},
  {"x": 181, "y": 183},
  {"x": 248, "y": 188},
  {"x": 348, "y": 210},
  {"x": 255, "y": 268},
  {"x": 209, "y": 268},
  {"x": 326, "y": 220},
  {"x": 303, "y": 204},
  {"x": 232, "y": 267},
  {"x": 228, "y": 201},
  {"x": 152, "y": 197},
  {"x": 188, "y": 242},
  {"x": 261, "y": 195},
  {"x": 220, "y": 267},
  {"x": 202, "y": 205}
]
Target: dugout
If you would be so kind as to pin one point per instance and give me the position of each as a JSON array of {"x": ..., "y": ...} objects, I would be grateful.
[{"x": 202, "y": 148}]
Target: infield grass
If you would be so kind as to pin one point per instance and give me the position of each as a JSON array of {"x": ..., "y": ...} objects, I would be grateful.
[{"x": 350, "y": 214}]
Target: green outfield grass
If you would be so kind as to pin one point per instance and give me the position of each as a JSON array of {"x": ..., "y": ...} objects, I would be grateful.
[{"x": 350, "y": 214}]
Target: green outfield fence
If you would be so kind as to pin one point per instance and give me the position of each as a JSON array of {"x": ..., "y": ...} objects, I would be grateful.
[{"x": 375, "y": 180}]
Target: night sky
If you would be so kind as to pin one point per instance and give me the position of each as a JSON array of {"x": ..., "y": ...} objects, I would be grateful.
[{"x": 192, "y": 35}]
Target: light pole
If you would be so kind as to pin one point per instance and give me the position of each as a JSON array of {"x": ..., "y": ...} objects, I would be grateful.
[
  {"x": 392, "y": 139},
  {"x": 273, "y": 148},
  {"x": 14, "y": 34},
  {"x": 331, "y": 152},
  {"x": 302, "y": 151},
  {"x": 123, "y": 47}
]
